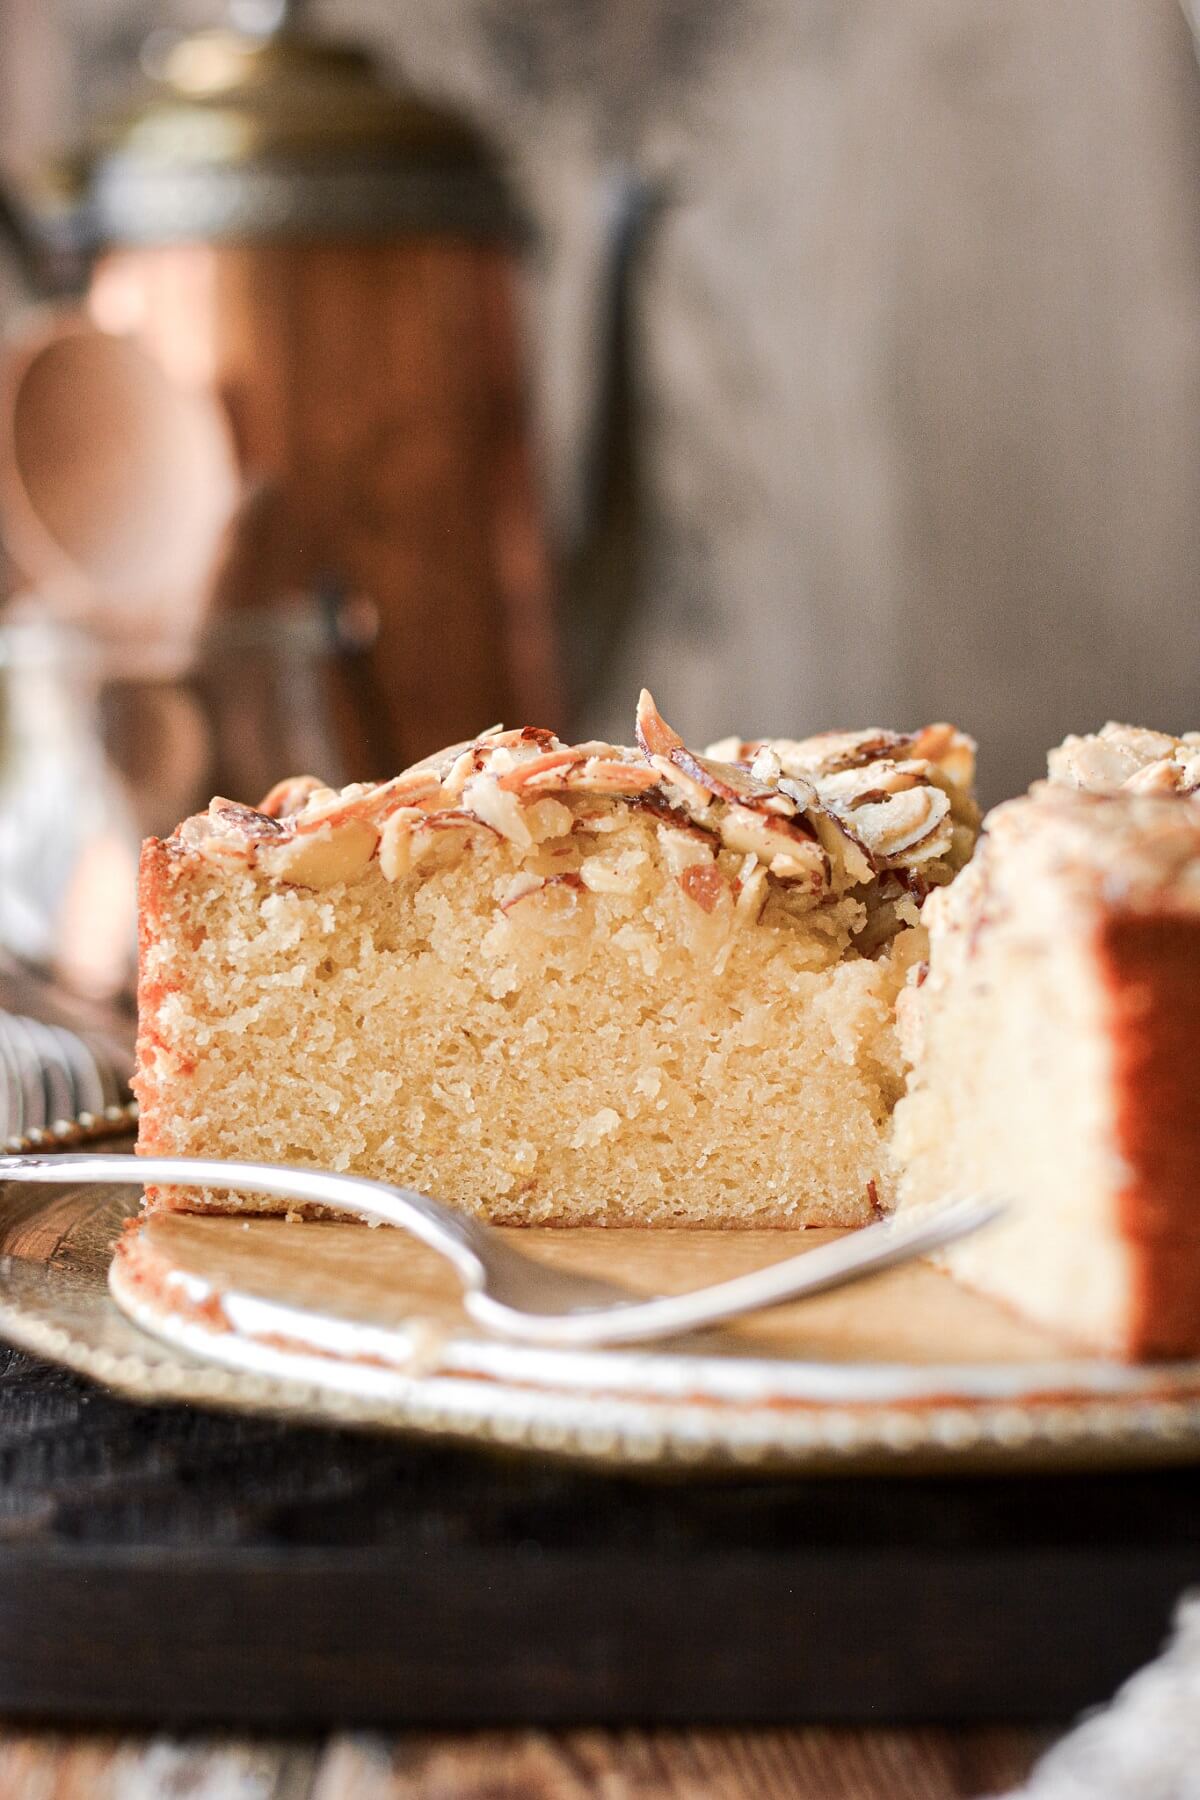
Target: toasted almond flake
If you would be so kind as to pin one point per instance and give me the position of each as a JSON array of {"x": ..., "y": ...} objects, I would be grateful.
[
  {"x": 682, "y": 849},
  {"x": 826, "y": 813},
  {"x": 1130, "y": 758},
  {"x": 230, "y": 819},
  {"x": 799, "y": 789},
  {"x": 568, "y": 885},
  {"x": 606, "y": 776},
  {"x": 538, "y": 765},
  {"x": 847, "y": 789},
  {"x": 407, "y": 789},
  {"x": 770, "y": 838},
  {"x": 704, "y": 884},
  {"x": 524, "y": 882},
  {"x": 1165, "y": 777},
  {"x": 321, "y": 858},
  {"x": 329, "y": 803},
  {"x": 619, "y": 876},
  {"x": 698, "y": 799},
  {"x": 395, "y": 841},
  {"x": 288, "y": 797},
  {"x": 655, "y": 737},
  {"x": 459, "y": 773},
  {"x": 933, "y": 742},
  {"x": 831, "y": 752},
  {"x": 495, "y": 807},
  {"x": 224, "y": 850},
  {"x": 844, "y": 848},
  {"x": 733, "y": 783},
  {"x": 751, "y": 892},
  {"x": 902, "y": 821},
  {"x": 548, "y": 819},
  {"x": 536, "y": 737},
  {"x": 794, "y": 868}
]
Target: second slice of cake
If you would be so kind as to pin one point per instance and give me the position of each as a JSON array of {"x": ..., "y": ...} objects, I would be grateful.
[
  {"x": 1054, "y": 1047},
  {"x": 578, "y": 984}
]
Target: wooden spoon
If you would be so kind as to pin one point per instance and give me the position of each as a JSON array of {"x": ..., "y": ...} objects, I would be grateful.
[{"x": 118, "y": 484}]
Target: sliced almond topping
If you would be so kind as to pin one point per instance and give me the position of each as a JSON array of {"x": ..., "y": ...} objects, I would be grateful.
[
  {"x": 798, "y": 869},
  {"x": 524, "y": 772},
  {"x": 289, "y": 797},
  {"x": 223, "y": 850},
  {"x": 603, "y": 775},
  {"x": 769, "y": 838},
  {"x": 800, "y": 790},
  {"x": 697, "y": 798},
  {"x": 1187, "y": 759},
  {"x": 901, "y": 821},
  {"x": 319, "y": 859},
  {"x": 847, "y": 790},
  {"x": 933, "y": 742},
  {"x": 851, "y": 860},
  {"x": 734, "y": 783},
  {"x": 407, "y": 789},
  {"x": 617, "y": 875},
  {"x": 705, "y": 884},
  {"x": 1129, "y": 757},
  {"x": 455, "y": 778},
  {"x": 537, "y": 884},
  {"x": 829, "y": 752},
  {"x": 395, "y": 841},
  {"x": 728, "y": 781},
  {"x": 538, "y": 737},
  {"x": 502, "y": 811},
  {"x": 1165, "y": 777},
  {"x": 230, "y": 819},
  {"x": 683, "y": 849},
  {"x": 766, "y": 765},
  {"x": 523, "y": 883},
  {"x": 654, "y": 735},
  {"x": 751, "y": 891},
  {"x": 548, "y": 819}
]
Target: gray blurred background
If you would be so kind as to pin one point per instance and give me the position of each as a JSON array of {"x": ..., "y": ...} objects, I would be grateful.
[{"x": 865, "y": 338}]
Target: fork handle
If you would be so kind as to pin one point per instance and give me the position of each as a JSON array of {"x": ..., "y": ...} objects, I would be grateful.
[{"x": 455, "y": 1236}]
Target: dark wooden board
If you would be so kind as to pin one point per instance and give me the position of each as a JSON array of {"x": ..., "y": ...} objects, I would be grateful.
[{"x": 171, "y": 1565}]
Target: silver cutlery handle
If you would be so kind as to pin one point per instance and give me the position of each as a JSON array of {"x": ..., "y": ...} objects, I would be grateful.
[{"x": 455, "y": 1236}]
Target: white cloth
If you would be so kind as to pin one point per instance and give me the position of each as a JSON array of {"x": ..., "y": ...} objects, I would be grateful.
[{"x": 1146, "y": 1744}]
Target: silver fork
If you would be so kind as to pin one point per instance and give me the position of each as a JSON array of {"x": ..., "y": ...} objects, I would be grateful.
[{"x": 514, "y": 1295}]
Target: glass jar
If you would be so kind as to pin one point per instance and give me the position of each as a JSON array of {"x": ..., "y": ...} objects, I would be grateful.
[{"x": 103, "y": 743}]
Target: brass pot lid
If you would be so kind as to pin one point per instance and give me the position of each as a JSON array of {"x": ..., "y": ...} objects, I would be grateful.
[
  {"x": 225, "y": 97},
  {"x": 246, "y": 135}
]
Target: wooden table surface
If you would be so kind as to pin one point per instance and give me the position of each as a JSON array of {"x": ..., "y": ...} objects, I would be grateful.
[{"x": 931, "y": 1764}]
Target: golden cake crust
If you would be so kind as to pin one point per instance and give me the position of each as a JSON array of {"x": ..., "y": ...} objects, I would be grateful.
[{"x": 1152, "y": 963}]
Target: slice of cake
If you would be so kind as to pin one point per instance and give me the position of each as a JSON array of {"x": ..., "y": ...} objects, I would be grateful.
[
  {"x": 1054, "y": 1047},
  {"x": 558, "y": 983}
]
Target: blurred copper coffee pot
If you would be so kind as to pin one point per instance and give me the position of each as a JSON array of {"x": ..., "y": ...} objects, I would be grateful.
[{"x": 334, "y": 262}]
